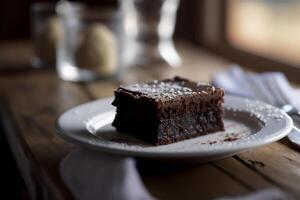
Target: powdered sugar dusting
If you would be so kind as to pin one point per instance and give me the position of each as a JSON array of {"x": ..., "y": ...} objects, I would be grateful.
[
  {"x": 160, "y": 89},
  {"x": 262, "y": 111}
]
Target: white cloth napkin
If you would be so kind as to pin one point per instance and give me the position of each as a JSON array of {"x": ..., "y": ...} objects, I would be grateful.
[
  {"x": 92, "y": 175},
  {"x": 270, "y": 87}
]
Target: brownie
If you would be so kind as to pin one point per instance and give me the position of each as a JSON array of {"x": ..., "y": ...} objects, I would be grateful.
[{"x": 163, "y": 112}]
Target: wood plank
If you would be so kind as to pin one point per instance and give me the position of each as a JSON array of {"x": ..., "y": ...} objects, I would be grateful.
[
  {"x": 244, "y": 175},
  {"x": 19, "y": 151},
  {"x": 278, "y": 162},
  {"x": 35, "y": 100},
  {"x": 191, "y": 182}
]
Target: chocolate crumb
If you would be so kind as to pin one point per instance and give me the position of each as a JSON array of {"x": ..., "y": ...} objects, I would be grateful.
[
  {"x": 209, "y": 142},
  {"x": 212, "y": 142},
  {"x": 231, "y": 137}
]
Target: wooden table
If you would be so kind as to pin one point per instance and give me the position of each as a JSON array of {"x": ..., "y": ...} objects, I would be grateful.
[{"x": 31, "y": 100}]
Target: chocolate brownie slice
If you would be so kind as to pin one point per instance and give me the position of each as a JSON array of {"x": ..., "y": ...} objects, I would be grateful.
[{"x": 163, "y": 112}]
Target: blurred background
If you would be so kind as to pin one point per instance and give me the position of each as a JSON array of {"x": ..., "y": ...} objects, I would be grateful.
[
  {"x": 263, "y": 35},
  {"x": 268, "y": 28},
  {"x": 250, "y": 32}
]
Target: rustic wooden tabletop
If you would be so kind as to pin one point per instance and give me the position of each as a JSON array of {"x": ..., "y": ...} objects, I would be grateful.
[{"x": 31, "y": 100}]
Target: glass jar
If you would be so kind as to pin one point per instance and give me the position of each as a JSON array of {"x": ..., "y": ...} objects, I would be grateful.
[{"x": 91, "y": 46}]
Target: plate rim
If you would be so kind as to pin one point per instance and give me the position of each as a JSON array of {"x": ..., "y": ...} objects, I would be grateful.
[{"x": 173, "y": 154}]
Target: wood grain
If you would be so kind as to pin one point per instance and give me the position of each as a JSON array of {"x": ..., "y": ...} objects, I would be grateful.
[
  {"x": 191, "y": 182},
  {"x": 278, "y": 162},
  {"x": 35, "y": 101}
]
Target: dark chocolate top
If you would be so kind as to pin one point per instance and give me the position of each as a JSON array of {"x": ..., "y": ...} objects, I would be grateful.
[{"x": 168, "y": 88}]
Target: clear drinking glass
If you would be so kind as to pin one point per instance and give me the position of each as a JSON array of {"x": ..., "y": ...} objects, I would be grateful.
[
  {"x": 46, "y": 31},
  {"x": 149, "y": 27},
  {"x": 91, "y": 45}
]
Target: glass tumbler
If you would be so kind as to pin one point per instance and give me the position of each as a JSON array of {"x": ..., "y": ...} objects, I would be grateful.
[
  {"x": 149, "y": 27},
  {"x": 91, "y": 46}
]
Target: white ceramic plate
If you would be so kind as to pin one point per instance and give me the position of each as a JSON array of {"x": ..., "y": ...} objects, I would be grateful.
[{"x": 248, "y": 124}]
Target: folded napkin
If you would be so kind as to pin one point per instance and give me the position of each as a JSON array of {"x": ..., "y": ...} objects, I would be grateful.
[
  {"x": 270, "y": 87},
  {"x": 92, "y": 175}
]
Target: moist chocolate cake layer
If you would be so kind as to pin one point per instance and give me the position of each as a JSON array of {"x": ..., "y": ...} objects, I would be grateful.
[{"x": 162, "y": 112}]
